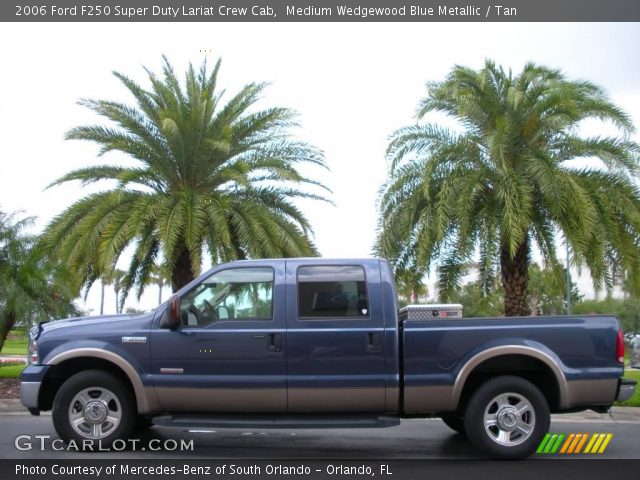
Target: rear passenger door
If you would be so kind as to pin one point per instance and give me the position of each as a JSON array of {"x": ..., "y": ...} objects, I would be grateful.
[{"x": 335, "y": 337}]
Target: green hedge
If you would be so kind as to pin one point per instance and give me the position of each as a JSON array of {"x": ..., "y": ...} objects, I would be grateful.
[{"x": 11, "y": 371}]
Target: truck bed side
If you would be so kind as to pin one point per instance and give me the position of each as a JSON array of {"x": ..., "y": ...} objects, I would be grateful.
[{"x": 571, "y": 359}]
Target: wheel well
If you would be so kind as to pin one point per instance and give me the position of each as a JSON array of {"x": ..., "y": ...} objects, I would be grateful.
[
  {"x": 60, "y": 372},
  {"x": 529, "y": 368}
]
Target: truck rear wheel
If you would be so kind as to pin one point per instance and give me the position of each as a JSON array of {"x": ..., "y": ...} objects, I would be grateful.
[
  {"x": 507, "y": 417},
  {"x": 93, "y": 409}
]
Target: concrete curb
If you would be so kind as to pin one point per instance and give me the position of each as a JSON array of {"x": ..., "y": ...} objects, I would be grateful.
[
  {"x": 616, "y": 414},
  {"x": 11, "y": 405}
]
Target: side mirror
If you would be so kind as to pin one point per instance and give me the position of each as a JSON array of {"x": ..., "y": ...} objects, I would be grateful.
[{"x": 171, "y": 318}]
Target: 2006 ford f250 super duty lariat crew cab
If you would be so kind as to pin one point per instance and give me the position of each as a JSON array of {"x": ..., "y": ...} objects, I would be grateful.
[{"x": 317, "y": 342}]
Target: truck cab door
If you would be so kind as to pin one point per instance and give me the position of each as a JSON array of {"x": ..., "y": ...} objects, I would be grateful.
[
  {"x": 335, "y": 337},
  {"x": 227, "y": 355}
]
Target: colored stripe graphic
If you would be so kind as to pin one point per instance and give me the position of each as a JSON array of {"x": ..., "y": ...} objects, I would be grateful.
[
  {"x": 543, "y": 443},
  {"x": 605, "y": 443},
  {"x": 574, "y": 443},
  {"x": 550, "y": 443},
  {"x": 590, "y": 444},
  {"x": 596, "y": 446},
  {"x": 567, "y": 443},
  {"x": 582, "y": 442},
  {"x": 556, "y": 446},
  {"x": 599, "y": 442}
]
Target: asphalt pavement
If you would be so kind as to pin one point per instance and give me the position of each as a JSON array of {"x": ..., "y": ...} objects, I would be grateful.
[{"x": 413, "y": 439}]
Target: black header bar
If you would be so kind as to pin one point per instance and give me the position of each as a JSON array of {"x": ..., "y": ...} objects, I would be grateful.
[
  {"x": 320, "y": 11},
  {"x": 300, "y": 469}
]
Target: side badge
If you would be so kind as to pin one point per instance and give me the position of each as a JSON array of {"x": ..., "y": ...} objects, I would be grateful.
[
  {"x": 134, "y": 339},
  {"x": 172, "y": 371}
]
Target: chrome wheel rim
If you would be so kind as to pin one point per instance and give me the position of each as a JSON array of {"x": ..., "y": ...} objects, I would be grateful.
[
  {"x": 509, "y": 419},
  {"x": 95, "y": 412}
]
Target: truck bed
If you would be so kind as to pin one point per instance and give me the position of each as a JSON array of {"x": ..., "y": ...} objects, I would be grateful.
[{"x": 574, "y": 354}]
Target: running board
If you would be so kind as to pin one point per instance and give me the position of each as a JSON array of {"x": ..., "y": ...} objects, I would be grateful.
[{"x": 275, "y": 421}]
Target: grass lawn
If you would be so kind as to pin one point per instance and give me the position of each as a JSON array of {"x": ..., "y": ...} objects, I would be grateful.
[
  {"x": 635, "y": 400},
  {"x": 16, "y": 344},
  {"x": 11, "y": 371}
]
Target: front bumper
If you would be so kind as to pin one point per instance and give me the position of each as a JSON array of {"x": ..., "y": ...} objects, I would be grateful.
[
  {"x": 30, "y": 383},
  {"x": 626, "y": 387},
  {"x": 29, "y": 393}
]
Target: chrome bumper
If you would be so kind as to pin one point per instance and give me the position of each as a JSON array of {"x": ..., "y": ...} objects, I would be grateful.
[
  {"x": 29, "y": 392},
  {"x": 626, "y": 388}
]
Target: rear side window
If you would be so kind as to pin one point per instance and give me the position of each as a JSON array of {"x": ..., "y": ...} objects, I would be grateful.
[{"x": 332, "y": 292}]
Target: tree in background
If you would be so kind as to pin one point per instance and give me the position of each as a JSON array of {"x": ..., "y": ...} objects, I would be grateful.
[
  {"x": 475, "y": 303},
  {"x": 411, "y": 286},
  {"x": 104, "y": 281},
  {"x": 117, "y": 277},
  {"x": 547, "y": 291},
  {"x": 210, "y": 176},
  {"x": 627, "y": 311},
  {"x": 159, "y": 276},
  {"x": 33, "y": 286},
  {"x": 510, "y": 178}
]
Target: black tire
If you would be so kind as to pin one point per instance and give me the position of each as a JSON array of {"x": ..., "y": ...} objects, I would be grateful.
[
  {"x": 143, "y": 423},
  {"x": 454, "y": 421},
  {"x": 504, "y": 440},
  {"x": 96, "y": 385}
]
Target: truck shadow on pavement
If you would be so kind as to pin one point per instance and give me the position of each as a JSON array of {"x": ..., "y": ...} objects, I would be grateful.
[{"x": 307, "y": 444}]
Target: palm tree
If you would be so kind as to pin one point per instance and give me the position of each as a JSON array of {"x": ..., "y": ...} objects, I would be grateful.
[
  {"x": 511, "y": 177},
  {"x": 32, "y": 285},
  {"x": 104, "y": 281},
  {"x": 116, "y": 277},
  {"x": 411, "y": 285},
  {"x": 209, "y": 176},
  {"x": 158, "y": 277}
]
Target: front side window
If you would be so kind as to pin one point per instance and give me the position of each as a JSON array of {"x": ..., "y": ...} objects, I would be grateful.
[
  {"x": 332, "y": 292},
  {"x": 234, "y": 294}
]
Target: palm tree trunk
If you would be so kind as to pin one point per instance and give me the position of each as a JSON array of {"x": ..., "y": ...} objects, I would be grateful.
[
  {"x": 514, "y": 280},
  {"x": 101, "y": 297},
  {"x": 6, "y": 327},
  {"x": 160, "y": 285},
  {"x": 181, "y": 272}
]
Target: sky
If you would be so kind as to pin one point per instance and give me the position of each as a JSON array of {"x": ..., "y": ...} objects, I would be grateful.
[{"x": 352, "y": 84}]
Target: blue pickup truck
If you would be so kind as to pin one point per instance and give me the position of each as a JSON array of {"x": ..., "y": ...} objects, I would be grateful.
[{"x": 318, "y": 342}]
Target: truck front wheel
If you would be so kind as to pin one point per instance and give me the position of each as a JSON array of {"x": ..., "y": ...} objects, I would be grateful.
[
  {"x": 507, "y": 417},
  {"x": 93, "y": 409},
  {"x": 454, "y": 421}
]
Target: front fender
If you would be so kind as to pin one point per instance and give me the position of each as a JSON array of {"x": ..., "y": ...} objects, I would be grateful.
[{"x": 145, "y": 396}]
